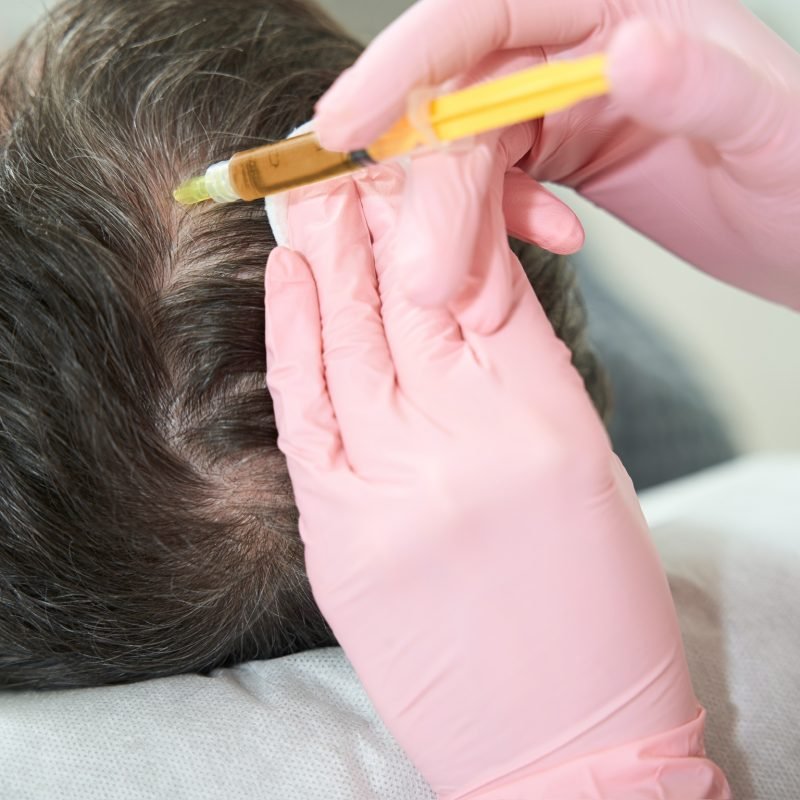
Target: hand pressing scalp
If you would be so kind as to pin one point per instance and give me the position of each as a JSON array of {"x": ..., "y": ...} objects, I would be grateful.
[
  {"x": 695, "y": 147},
  {"x": 470, "y": 537}
]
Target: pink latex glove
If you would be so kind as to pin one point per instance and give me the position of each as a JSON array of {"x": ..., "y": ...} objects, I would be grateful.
[
  {"x": 474, "y": 543},
  {"x": 696, "y": 146}
]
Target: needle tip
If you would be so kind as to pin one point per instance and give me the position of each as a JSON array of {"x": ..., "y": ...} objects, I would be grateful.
[{"x": 192, "y": 191}]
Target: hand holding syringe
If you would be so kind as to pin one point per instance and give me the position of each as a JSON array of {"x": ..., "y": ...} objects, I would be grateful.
[
  {"x": 524, "y": 95},
  {"x": 695, "y": 145}
]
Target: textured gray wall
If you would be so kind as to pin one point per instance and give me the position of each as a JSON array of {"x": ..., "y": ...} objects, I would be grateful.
[{"x": 365, "y": 17}]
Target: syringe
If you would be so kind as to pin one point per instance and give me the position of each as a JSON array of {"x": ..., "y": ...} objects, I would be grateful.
[{"x": 524, "y": 95}]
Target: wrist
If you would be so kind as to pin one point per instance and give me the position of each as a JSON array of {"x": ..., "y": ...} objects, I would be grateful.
[{"x": 670, "y": 766}]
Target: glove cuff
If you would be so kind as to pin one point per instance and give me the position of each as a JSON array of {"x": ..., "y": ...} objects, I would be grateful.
[{"x": 667, "y": 766}]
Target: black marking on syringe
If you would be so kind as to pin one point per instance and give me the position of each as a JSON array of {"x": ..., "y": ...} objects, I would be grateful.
[{"x": 362, "y": 158}]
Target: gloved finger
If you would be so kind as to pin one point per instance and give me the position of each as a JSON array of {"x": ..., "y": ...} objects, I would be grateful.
[
  {"x": 327, "y": 225},
  {"x": 536, "y": 366},
  {"x": 520, "y": 348},
  {"x": 535, "y": 215},
  {"x": 485, "y": 300},
  {"x": 441, "y": 226},
  {"x": 424, "y": 341},
  {"x": 682, "y": 85},
  {"x": 442, "y": 215},
  {"x": 435, "y": 40},
  {"x": 308, "y": 432}
]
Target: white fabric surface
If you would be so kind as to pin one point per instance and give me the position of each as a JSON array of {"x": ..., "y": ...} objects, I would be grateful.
[
  {"x": 730, "y": 541},
  {"x": 301, "y": 727},
  {"x": 296, "y": 727}
]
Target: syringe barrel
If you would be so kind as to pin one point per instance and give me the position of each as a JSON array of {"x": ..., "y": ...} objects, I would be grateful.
[{"x": 284, "y": 165}]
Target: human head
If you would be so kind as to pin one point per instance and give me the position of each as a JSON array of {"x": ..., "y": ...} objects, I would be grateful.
[{"x": 147, "y": 525}]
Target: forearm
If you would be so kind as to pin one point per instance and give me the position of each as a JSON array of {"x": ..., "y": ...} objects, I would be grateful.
[{"x": 694, "y": 214}]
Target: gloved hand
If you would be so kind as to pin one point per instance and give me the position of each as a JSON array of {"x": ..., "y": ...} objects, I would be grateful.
[
  {"x": 696, "y": 147},
  {"x": 474, "y": 543}
]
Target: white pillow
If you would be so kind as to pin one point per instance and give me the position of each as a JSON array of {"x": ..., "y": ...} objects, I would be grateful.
[{"x": 730, "y": 541}]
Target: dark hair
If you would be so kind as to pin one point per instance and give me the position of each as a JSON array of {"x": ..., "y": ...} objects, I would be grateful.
[{"x": 147, "y": 525}]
